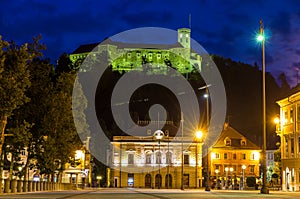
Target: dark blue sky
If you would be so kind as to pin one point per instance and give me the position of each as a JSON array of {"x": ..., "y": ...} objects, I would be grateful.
[{"x": 225, "y": 28}]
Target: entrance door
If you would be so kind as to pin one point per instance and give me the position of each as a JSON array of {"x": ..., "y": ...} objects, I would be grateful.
[
  {"x": 158, "y": 181},
  {"x": 116, "y": 182},
  {"x": 168, "y": 181},
  {"x": 148, "y": 181}
]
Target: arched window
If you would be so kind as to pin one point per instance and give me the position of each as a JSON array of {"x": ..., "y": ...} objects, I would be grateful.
[
  {"x": 148, "y": 158},
  {"x": 227, "y": 141}
]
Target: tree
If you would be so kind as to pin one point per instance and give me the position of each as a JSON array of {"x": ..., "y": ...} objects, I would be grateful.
[
  {"x": 59, "y": 126},
  {"x": 14, "y": 79}
]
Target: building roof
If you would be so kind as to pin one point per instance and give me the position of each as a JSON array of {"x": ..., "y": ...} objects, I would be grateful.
[
  {"x": 235, "y": 137},
  {"x": 86, "y": 48}
]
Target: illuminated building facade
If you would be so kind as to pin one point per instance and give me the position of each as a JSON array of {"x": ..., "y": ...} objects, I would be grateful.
[
  {"x": 231, "y": 156},
  {"x": 144, "y": 161},
  {"x": 289, "y": 131},
  {"x": 125, "y": 57}
]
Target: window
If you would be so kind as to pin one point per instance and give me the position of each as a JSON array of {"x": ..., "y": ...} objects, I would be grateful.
[
  {"x": 298, "y": 114},
  {"x": 227, "y": 142},
  {"x": 292, "y": 146},
  {"x": 130, "y": 158},
  {"x": 217, "y": 166},
  {"x": 234, "y": 156},
  {"x": 243, "y": 143},
  {"x": 291, "y": 116},
  {"x": 169, "y": 157},
  {"x": 252, "y": 168},
  {"x": 158, "y": 157},
  {"x": 23, "y": 152},
  {"x": 243, "y": 156},
  {"x": 286, "y": 148},
  {"x": 285, "y": 117},
  {"x": 148, "y": 158},
  {"x": 225, "y": 156},
  {"x": 186, "y": 159},
  {"x": 215, "y": 155}
]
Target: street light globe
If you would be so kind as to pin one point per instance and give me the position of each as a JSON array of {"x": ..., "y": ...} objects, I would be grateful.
[
  {"x": 217, "y": 171},
  {"x": 244, "y": 167},
  {"x": 260, "y": 37},
  {"x": 276, "y": 120},
  {"x": 199, "y": 134},
  {"x": 231, "y": 169},
  {"x": 226, "y": 169},
  {"x": 159, "y": 134}
]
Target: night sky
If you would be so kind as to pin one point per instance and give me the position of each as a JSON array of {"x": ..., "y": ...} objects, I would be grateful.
[{"x": 226, "y": 28}]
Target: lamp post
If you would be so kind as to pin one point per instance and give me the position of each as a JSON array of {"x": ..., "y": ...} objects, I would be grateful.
[
  {"x": 159, "y": 136},
  {"x": 226, "y": 183},
  {"x": 261, "y": 38},
  {"x": 217, "y": 178},
  {"x": 182, "y": 156},
  {"x": 231, "y": 170},
  {"x": 198, "y": 135},
  {"x": 243, "y": 174},
  {"x": 207, "y": 188}
]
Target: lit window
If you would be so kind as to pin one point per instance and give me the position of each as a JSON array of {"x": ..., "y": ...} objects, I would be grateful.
[{"x": 227, "y": 142}]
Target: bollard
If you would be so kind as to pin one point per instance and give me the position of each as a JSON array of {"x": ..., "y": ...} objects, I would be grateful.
[
  {"x": 14, "y": 186},
  {"x": 33, "y": 185},
  {"x": 42, "y": 186},
  {"x": 19, "y": 186},
  {"x": 37, "y": 186},
  {"x": 25, "y": 186},
  {"x": 29, "y": 184},
  {"x": 6, "y": 186}
]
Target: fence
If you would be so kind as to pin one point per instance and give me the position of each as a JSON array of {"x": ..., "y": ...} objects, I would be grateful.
[{"x": 17, "y": 186}]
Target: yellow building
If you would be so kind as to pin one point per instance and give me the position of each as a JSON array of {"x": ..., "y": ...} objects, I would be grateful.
[
  {"x": 154, "y": 161},
  {"x": 231, "y": 157},
  {"x": 289, "y": 130}
]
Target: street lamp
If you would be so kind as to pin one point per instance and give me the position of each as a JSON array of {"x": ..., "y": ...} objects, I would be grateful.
[
  {"x": 261, "y": 38},
  {"x": 198, "y": 135},
  {"x": 231, "y": 170},
  {"x": 207, "y": 188},
  {"x": 243, "y": 180},
  {"x": 217, "y": 178},
  {"x": 226, "y": 183},
  {"x": 159, "y": 136}
]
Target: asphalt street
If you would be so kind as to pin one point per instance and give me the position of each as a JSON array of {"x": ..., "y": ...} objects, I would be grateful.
[{"x": 150, "y": 194}]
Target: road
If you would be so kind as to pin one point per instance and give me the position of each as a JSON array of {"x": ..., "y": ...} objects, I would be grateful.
[{"x": 151, "y": 194}]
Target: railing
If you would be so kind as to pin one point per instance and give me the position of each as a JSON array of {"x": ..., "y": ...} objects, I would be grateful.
[{"x": 17, "y": 186}]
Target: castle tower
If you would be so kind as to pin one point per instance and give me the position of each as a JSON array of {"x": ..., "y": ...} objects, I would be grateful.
[{"x": 184, "y": 37}]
